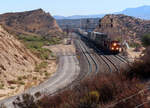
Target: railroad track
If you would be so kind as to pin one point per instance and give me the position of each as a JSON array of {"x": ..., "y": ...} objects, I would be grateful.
[
  {"x": 112, "y": 61},
  {"x": 122, "y": 59},
  {"x": 91, "y": 63},
  {"x": 101, "y": 57},
  {"x": 108, "y": 67},
  {"x": 88, "y": 53},
  {"x": 109, "y": 60}
]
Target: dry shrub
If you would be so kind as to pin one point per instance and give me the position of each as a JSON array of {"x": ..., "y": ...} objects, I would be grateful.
[
  {"x": 65, "y": 99},
  {"x": 94, "y": 92},
  {"x": 104, "y": 89},
  {"x": 26, "y": 101},
  {"x": 141, "y": 68}
]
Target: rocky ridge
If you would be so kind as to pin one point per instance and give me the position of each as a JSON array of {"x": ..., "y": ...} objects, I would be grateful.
[
  {"x": 35, "y": 22},
  {"x": 122, "y": 26}
]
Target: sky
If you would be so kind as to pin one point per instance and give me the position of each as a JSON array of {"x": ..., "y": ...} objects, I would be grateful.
[{"x": 71, "y": 7}]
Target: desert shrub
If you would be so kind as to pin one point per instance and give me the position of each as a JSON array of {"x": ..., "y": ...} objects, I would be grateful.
[
  {"x": 36, "y": 43},
  {"x": 19, "y": 78},
  {"x": 41, "y": 66},
  {"x": 43, "y": 40},
  {"x": 134, "y": 45},
  {"x": 36, "y": 48},
  {"x": 141, "y": 68},
  {"x": 96, "y": 92},
  {"x": 52, "y": 102},
  {"x": 54, "y": 40},
  {"x": 146, "y": 39},
  {"x": 26, "y": 101},
  {"x": 42, "y": 53},
  {"x": 21, "y": 82},
  {"x": 12, "y": 82},
  {"x": 1, "y": 85},
  {"x": 30, "y": 38},
  {"x": 104, "y": 89},
  {"x": 12, "y": 87},
  {"x": 90, "y": 100}
]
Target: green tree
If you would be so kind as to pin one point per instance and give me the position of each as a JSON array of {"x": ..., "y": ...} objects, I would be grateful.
[{"x": 146, "y": 40}]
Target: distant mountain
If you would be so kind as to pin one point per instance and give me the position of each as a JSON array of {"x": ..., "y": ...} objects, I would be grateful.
[
  {"x": 35, "y": 22},
  {"x": 77, "y": 23},
  {"x": 59, "y": 17},
  {"x": 79, "y": 16},
  {"x": 142, "y": 12},
  {"x": 139, "y": 12}
]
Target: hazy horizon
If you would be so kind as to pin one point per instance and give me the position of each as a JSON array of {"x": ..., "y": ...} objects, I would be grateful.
[{"x": 70, "y": 7}]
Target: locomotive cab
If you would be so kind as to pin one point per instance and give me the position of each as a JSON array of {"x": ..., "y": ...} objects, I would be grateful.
[{"x": 115, "y": 46}]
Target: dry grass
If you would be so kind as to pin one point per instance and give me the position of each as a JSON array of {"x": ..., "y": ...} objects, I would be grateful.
[
  {"x": 103, "y": 90},
  {"x": 93, "y": 93}
]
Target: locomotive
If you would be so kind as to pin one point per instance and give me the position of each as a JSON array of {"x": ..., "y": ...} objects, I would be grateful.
[{"x": 102, "y": 40}]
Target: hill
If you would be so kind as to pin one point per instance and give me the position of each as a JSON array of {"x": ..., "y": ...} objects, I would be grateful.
[
  {"x": 122, "y": 26},
  {"x": 78, "y": 16},
  {"x": 35, "y": 22},
  {"x": 15, "y": 61}
]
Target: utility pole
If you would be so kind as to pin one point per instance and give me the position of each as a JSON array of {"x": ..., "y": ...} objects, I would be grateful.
[
  {"x": 87, "y": 24},
  {"x": 67, "y": 29},
  {"x": 80, "y": 23}
]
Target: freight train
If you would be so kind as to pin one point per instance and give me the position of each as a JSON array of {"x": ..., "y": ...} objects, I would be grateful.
[{"x": 102, "y": 40}]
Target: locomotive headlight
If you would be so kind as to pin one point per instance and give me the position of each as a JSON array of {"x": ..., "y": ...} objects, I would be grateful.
[
  {"x": 117, "y": 48},
  {"x": 112, "y": 48},
  {"x": 115, "y": 44}
]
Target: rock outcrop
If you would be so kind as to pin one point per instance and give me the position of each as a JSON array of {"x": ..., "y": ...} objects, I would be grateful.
[
  {"x": 15, "y": 60},
  {"x": 121, "y": 26},
  {"x": 36, "y": 22}
]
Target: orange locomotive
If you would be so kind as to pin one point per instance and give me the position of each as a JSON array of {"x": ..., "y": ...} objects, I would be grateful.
[{"x": 103, "y": 41}]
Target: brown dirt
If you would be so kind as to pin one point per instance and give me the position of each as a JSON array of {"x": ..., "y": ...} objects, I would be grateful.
[
  {"x": 132, "y": 54},
  {"x": 17, "y": 67},
  {"x": 62, "y": 49}
]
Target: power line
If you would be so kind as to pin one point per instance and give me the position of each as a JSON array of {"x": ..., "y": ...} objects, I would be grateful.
[{"x": 127, "y": 98}]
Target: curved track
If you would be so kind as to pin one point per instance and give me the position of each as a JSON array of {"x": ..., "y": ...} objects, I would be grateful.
[
  {"x": 113, "y": 62},
  {"x": 90, "y": 56},
  {"x": 68, "y": 73},
  {"x": 66, "y": 76}
]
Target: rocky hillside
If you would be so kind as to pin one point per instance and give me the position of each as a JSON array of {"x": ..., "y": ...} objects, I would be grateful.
[
  {"x": 35, "y": 22},
  {"x": 15, "y": 61},
  {"x": 121, "y": 26}
]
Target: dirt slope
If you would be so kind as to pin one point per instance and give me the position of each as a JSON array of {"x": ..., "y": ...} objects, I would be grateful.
[{"x": 15, "y": 61}]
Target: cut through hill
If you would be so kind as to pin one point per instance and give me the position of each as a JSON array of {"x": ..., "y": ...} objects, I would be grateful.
[{"x": 19, "y": 68}]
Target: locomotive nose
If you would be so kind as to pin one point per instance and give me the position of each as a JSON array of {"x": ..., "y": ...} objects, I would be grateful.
[
  {"x": 114, "y": 44},
  {"x": 112, "y": 48}
]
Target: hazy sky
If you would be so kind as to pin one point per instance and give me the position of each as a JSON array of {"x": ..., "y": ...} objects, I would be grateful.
[{"x": 70, "y": 7}]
